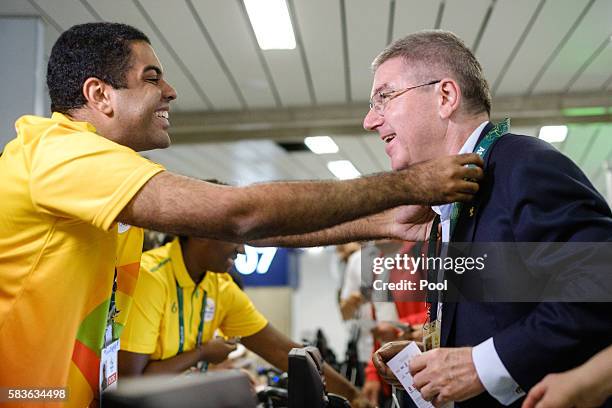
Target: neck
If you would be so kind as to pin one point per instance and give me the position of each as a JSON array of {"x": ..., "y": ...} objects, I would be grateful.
[
  {"x": 459, "y": 132},
  {"x": 193, "y": 268},
  {"x": 86, "y": 114}
]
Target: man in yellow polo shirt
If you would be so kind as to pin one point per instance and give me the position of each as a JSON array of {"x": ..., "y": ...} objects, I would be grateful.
[
  {"x": 176, "y": 280},
  {"x": 66, "y": 182}
]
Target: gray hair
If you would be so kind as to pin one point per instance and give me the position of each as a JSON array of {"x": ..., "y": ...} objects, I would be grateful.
[{"x": 441, "y": 53}]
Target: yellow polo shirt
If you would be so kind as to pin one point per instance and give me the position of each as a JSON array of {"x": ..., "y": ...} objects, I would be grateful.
[
  {"x": 153, "y": 323},
  {"x": 61, "y": 188}
]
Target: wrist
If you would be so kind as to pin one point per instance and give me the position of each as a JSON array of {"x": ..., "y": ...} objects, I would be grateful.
[
  {"x": 202, "y": 352},
  {"x": 379, "y": 225},
  {"x": 587, "y": 383},
  {"x": 411, "y": 183}
]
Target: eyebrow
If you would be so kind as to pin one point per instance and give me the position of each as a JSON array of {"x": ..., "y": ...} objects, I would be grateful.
[
  {"x": 157, "y": 69},
  {"x": 379, "y": 88}
]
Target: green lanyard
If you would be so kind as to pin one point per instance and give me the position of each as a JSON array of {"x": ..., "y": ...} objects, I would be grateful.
[
  {"x": 482, "y": 149},
  {"x": 179, "y": 295}
]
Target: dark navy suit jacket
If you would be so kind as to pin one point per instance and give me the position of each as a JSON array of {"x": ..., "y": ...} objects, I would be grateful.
[{"x": 532, "y": 193}]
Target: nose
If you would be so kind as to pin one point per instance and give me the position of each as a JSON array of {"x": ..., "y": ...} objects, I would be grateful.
[
  {"x": 372, "y": 120},
  {"x": 168, "y": 92}
]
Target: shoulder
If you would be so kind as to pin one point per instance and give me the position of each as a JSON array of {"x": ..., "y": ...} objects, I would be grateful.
[
  {"x": 513, "y": 154},
  {"x": 156, "y": 265},
  {"x": 522, "y": 147},
  {"x": 224, "y": 281}
]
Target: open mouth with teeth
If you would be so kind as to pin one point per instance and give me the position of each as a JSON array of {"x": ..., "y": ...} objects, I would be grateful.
[
  {"x": 162, "y": 114},
  {"x": 388, "y": 138}
]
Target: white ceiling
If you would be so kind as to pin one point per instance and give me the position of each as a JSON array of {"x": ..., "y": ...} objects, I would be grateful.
[{"x": 210, "y": 55}]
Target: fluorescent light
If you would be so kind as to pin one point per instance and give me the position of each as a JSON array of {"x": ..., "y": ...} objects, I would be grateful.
[
  {"x": 321, "y": 144},
  {"x": 271, "y": 23},
  {"x": 553, "y": 134},
  {"x": 590, "y": 111},
  {"x": 343, "y": 169}
]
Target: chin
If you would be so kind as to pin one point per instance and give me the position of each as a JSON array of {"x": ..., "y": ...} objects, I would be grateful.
[
  {"x": 399, "y": 165},
  {"x": 160, "y": 142}
]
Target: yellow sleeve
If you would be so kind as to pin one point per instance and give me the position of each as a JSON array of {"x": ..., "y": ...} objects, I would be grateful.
[
  {"x": 143, "y": 323},
  {"x": 241, "y": 318},
  {"x": 87, "y": 177}
]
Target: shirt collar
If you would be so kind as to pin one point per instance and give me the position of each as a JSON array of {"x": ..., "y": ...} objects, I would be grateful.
[
  {"x": 65, "y": 120},
  {"x": 444, "y": 211},
  {"x": 178, "y": 264}
]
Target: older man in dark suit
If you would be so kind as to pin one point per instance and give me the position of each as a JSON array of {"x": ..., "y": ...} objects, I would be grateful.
[{"x": 430, "y": 98}]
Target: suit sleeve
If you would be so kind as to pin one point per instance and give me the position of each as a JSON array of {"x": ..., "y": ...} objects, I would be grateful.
[{"x": 551, "y": 200}]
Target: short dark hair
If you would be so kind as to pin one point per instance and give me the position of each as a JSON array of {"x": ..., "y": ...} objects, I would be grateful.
[
  {"x": 438, "y": 52},
  {"x": 100, "y": 50}
]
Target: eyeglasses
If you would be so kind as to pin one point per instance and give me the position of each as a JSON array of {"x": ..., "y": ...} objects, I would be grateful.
[{"x": 379, "y": 101}]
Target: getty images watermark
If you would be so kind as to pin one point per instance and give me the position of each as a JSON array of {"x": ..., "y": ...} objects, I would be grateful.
[
  {"x": 489, "y": 272},
  {"x": 405, "y": 263}
]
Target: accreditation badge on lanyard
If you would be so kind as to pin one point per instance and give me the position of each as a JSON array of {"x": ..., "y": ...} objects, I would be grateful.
[
  {"x": 108, "y": 357},
  {"x": 432, "y": 330}
]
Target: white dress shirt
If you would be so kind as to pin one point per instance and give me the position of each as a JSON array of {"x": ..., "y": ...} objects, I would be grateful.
[{"x": 491, "y": 370}]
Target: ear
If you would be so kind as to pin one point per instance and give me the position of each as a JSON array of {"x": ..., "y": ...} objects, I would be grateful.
[
  {"x": 450, "y": 97},
  {"x": 97, "y": 94}
]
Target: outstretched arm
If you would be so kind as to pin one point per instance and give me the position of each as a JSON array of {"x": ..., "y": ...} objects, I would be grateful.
[
  {"x": 406, "y": 223},
  {"x": 181, "y": 205}
]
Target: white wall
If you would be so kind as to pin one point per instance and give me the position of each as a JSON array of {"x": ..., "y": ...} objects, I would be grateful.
[
  {"x": 314, "y": 301},
  {"x": 22, "y": 72},
  {"x": 275, "y": 304}
]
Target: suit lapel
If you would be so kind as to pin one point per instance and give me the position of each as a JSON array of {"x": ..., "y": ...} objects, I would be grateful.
[{"x": 464, "y": 232}]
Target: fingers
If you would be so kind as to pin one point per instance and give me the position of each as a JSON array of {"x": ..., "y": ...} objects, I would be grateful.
[
  {"x": 472, "y": 173},
  {"x": 417, "y": 364},
  {"x": 427, "y": 392},
  {"x": 469, "y": 158},
  {"x": 535, "y": 395},
  {"x": 467, "y": 187}
]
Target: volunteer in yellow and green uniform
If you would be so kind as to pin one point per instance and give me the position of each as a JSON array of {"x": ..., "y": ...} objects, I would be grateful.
[
  {"x": 63, "y": 306},
  {"x": 175, "y": 281},
  {"x": 168, "y": 298}
]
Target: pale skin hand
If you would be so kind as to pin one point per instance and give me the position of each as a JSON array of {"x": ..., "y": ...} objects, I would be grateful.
[
  {"x": 446, "y": 374},
  {"x": 441, "y": 375},
  {"x": 586, "y": 386}
]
